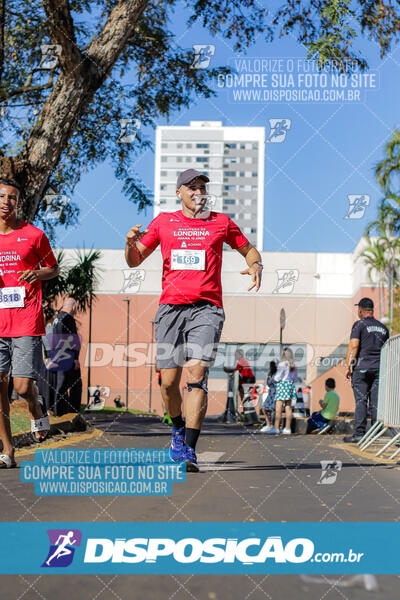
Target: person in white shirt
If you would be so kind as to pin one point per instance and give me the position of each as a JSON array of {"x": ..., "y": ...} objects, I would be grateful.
[{"x": 285, "y": 378}]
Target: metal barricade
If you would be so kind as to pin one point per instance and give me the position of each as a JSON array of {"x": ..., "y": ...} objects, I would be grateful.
[{"x": 388, "y": 410}]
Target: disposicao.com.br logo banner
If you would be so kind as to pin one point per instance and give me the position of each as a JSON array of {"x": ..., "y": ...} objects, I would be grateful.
[{"x": 208, "y": 548}]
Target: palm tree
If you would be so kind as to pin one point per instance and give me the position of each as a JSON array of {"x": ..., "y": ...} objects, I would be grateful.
[
  {"x": 388, "y": 169},
  {"x": 374, "y": 256},
  {"x": 78, "y": 280},
  {"x": 386, "y": 249}
]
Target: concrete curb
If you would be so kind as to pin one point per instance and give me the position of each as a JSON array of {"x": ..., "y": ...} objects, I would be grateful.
[{"x": 69, "y": 423}]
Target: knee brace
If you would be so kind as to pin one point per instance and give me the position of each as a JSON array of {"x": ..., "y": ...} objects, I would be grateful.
[{"x": 200, "y": 385}]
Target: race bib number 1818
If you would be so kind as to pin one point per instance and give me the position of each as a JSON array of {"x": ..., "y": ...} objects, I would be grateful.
[{"x": 12, "y": 297}]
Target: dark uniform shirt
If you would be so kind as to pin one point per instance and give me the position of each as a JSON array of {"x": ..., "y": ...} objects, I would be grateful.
[
  {"x": 372, "y": 335},
  {"x": 64, "y": 341}
]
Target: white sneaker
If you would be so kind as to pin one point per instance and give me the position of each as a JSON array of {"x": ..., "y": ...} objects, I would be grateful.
[
  {"x": 266, "y": 428},
  {"x": 273, "y": 431},
  {"x": 286, "y": 431}
]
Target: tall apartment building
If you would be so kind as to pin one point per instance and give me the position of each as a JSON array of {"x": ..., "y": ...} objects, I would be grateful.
[{"x": 232, "y": 157}]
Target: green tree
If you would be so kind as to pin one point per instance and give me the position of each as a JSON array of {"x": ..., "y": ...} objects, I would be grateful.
[
  {"x": 78, "y": 279},
  {"x": 118, "y": 59},
  {"x": 385, "y": 225},
  {"x": 374, "y": 256}
]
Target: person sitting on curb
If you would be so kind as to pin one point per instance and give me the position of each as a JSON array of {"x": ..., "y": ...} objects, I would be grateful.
[{"x": 329, "y": 405}]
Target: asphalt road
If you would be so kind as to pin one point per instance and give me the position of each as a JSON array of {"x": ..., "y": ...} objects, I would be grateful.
[{"x": 245, "y": 476}]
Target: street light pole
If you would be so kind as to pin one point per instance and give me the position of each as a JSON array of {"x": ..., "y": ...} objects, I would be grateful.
[
  {"x": 282, "y": 323},
  {"x": 128, "y": 301},
  {"x": 151, "y": 363},
  {"x": 90, "y": 348}
]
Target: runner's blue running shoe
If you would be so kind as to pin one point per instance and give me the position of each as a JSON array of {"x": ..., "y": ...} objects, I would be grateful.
[
  {"x": 177, "y": 444},
  {"x": 189, "y": 456}
]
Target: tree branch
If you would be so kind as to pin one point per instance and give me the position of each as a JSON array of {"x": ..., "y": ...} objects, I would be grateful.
[
  {"x": 118, "y": 28},
  {"x": 71, "y": 96},
  {"x": 25, "y": 89},
  {"x": 62, "y": 32}
]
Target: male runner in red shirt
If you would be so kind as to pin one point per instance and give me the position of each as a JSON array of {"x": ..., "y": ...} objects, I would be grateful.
[
  {"x": 246, "y": 374},
  {"x": 26, "y": 259},
  {"x": 190, "y": 317}
]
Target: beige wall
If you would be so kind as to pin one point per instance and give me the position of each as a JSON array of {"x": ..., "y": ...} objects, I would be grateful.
[{"x": 322, "y": 323}]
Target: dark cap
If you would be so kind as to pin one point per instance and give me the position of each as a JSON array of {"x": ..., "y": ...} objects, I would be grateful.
[
  {"x": 189, "y": 175},
  {"x": 366, "y": 303}
]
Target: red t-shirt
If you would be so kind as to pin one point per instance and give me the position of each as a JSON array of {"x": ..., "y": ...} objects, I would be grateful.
[
  {"x": 244, "y": 368},
  {"x": 192, "y": 254},
  {"x": 27, "y": 247}
]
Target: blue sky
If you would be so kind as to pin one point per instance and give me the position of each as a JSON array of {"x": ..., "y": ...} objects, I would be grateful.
[{"x": 329, "y": 153}]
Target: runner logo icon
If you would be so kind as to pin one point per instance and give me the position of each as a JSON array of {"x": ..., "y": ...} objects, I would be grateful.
[
  {"x": 330, "y": 470},
  {"x": 62, "y": 547}
]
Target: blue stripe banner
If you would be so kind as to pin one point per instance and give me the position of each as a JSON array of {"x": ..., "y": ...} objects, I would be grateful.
[{"x": 208, "y": 548}]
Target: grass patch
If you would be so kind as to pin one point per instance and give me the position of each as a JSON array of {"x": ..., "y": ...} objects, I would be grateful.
[
  {"x": 20, "y": 417},
  {"x": 111, "y": 410}
]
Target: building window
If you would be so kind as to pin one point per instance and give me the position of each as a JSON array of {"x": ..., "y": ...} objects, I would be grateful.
[
  {"x": 163, "y": 159},
  {"x": 188, "y": 145},
  {"x": 179, "y": 145},
  {"x": 255, "y": 146},
  {"x": 229, "y": 187},
  {"x": 254, "y": 173},
  {"x": 230, "y": 173},
  {"x": 188, "y": 159},
  {"x": 164, "y": 145},
  {"x": 202, "y": 159},
  {"x": 254, "y": 230},
  {"x": 243, "y": 146},
  {"x": 163, "y": 187},
  {"x": 163, "y": 202},
  {"x": 179, "y": 159},
  {"x": 202, "y": 146},
  {"x": 229, "y": 201},
  {"x": 231, "y": 215},
  {"x": 163, "y": 173}
]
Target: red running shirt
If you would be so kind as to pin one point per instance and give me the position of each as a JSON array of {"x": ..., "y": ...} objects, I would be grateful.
[
  {"x": 244, "y": 368},
  {"x": 25, "y": 248},
  {"x": 192, "y": 254}
]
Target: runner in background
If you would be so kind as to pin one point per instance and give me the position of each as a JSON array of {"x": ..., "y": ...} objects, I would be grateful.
[
  {"x": 190, "y": 317},
  {"x": 246, "y": 374},
  {"x": 26, "y": 259}
]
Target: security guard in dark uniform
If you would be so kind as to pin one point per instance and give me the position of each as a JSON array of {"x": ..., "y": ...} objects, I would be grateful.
[{"x": 363, "y": 360}]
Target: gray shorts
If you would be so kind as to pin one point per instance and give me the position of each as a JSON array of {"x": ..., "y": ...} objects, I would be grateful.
[
  {"x": 23, "y": 354},
  {"x": 186, "y": 331}
]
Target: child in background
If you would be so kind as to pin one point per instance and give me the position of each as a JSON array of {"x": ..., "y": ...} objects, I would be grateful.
[
  {"x": 268, "y": 405},
  {"x": 329, "y": 405}
]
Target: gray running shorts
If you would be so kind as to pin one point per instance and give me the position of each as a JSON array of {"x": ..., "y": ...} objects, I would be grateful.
[
  {"x": 186, "y": 331},
  {"x": 23, "y": 354}
]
